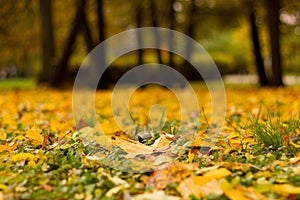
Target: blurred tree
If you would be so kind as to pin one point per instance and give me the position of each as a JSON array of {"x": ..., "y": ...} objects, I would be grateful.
[
  {"x": 19, "y": 36},
  {"x": 273, "y": 8},
  {"x": 47, "y": 40},
  {"x": 190, "y": 28},
  {"x": 263, "y": 80},
  {"x": 69, "y": 45},
  {"x": 101, "y": 23},
  {"x": 172, "y": 18},
  {"x": 139, "y": 21},
  {"x": 220, "y": 25},
  {"x": 155, "y": 24}
]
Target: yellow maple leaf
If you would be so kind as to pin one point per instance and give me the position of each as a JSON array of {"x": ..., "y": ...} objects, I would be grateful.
[
  {"x": 59, "y": 126},
  {"x": 34, "y": 134}
]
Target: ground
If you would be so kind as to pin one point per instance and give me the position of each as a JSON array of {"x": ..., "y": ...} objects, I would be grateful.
[{"x": 45, "y": 155}]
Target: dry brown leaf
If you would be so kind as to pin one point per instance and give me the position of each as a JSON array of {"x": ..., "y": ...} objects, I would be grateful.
[
  {"x": 133, "y": 147},
  {"x": 161, "y": 143},
  {"x": 188, "y": 187},
  {"x": 169, "y": 173}
]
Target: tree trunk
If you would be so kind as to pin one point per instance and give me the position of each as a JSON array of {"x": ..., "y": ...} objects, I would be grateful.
[
  {"x": 190, "y": 30},
  {"x": 69, "y": 46},
  {"x": 101, "y": 23},
  {"x": 171, "y": 36},
  {"x": 87, "y": 33},
  {"x": 139, "y": 16},
  {"x": 273, "y": 8},
  {"x": 156, "y": 36},
  {"x": 189, "y": 71},
  {"x": 101, "y": 60},
  {"x": 263, "y": 80},
  {"x": 47, "y": 40}
]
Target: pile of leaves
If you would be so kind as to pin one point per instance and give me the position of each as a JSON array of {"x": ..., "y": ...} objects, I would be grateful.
[{"x": 43, "y": 155}]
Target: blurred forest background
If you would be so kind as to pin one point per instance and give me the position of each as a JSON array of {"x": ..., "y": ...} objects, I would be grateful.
[{"x": 48, "y": 39}]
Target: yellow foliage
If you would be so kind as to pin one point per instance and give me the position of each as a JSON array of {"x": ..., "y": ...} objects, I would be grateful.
[
  {"x": 4, "y": 148},
  {"x": 34, "y": 134},
  {"x": 2, "y": 135},
  {"x": 24, "y": 156},
  {"x": 232, "y": 193},
  {"x": 286, "y": 189},
  {"x": 217, "y": 173}
]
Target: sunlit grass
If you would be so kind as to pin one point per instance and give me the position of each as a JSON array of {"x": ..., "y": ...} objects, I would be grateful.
[{"x": 17, "y": 83}]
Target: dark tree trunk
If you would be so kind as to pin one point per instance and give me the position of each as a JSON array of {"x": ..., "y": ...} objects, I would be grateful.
[
  {"x": 101, "y": 60},
  {"x": 101, "y": 21},
  {"x": 171, "y": 36},
  {"x": 156, "y": 36},
  {"x": 87, "y": 33},
  {"x": 263, "y": 80},
  {"x": 190, "y": 30},
  {"x": 273, "y": 8},
  {"x": 47, "y": 41},
  {"x": 69, "y": 46},
  {"x": 139, "y": 15},
  {"x": 188, "y": 71}
]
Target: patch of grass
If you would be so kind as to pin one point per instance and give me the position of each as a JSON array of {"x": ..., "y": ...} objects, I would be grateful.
[
  {"x": 17, "y": 83},
  {"x": 273, "y": 132}
]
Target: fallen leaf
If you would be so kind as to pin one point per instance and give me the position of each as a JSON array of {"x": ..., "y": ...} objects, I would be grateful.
[
  {"x": 212, "y": 187},
  {"x": 47, "y": 187},
  {"x": 23, "y": 156},
  {"x": 133, "y": 147},
  {"x": 114, "y": 190},
  {"x": 161, "y": 142},
  {"x": 286, "y": 189},
  {"x": 4, "y": 148},
  {"x": 188, "y": 187},
  {"x": 169, "y": 173},
  {"x": 199, "y": 186},
  {"x": 231, "y": 192},
  {"x": 217, "y": 173},
  {"x": 34, "y": 134},
  {"x": 158, "y": 194},
  {"x": 2, "y": 135}
]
